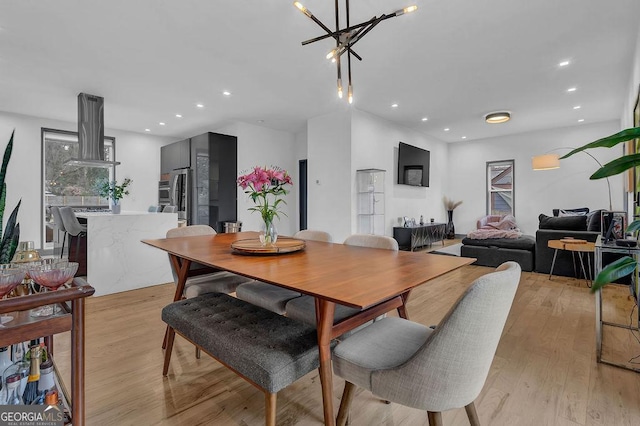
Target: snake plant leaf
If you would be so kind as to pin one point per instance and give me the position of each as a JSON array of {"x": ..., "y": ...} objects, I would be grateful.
[
  {"x": 634, "y": 226},
  {"x": 6, "y": 158},
  {"x": 609, "y": 141},
  {"x": 9, "y": 249},
  {"x": 3, "y": 200},
  {"x": 613, "y": 271},
  {"x": 10, "y": 229},
  {"x": 617, "y": 166}
]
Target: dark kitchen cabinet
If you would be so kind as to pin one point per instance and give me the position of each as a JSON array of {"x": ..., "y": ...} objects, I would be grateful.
[
  {"x": 214, "y": 159},
  {"x": 175, "y": 156}
]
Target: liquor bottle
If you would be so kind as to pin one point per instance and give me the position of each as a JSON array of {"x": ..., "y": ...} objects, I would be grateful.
[
  {"x": 31, "y": 390},
  {"x": 51, "y": 398},
  {"x": 13, "y": 390}
]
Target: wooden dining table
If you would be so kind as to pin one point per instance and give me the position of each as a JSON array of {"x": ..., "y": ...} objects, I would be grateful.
[{"x": 375, "y": 281}]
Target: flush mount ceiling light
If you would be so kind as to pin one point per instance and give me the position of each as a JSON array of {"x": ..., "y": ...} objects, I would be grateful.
[
  {"x": 345, "y": 38},
  {"x": 497, "y": 117}
]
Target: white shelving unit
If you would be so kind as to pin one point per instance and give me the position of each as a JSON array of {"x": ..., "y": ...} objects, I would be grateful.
[{"x": 370, "y": 186}]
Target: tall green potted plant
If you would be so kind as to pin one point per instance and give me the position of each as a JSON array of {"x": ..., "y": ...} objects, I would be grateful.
[
  {"x": 113, "y": 191},
  {"x": 625, "y": 265},
  {"x": 8, "y": 241}
]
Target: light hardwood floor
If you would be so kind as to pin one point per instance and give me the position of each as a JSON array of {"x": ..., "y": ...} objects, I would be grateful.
[{"x": 544, "y": 371}]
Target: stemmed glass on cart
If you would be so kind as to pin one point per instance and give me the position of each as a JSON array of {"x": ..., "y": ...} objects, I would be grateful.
[
  {"x": 10, "y": 277},
  {"x": 51, "y": 275}
]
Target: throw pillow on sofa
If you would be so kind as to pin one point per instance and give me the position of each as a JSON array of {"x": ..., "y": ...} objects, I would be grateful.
[
  {"x": 567, "y": 212},
  {"x": 594, "y": 221},
  {"x": 566, "y": 223}
]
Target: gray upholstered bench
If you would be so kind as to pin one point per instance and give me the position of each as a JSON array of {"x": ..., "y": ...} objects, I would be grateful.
[{"x": 268, "y": 350}]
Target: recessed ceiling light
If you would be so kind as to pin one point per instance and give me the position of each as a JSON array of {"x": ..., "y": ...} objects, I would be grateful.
[
  {"x": 497, "y": 117},
  {"x": 178, "y": 115},
  {"x": 577, "y": 107},
  {"x": 260, "y": 121},
  {"x": 571, "y": 89},
  {"x": 447, "y": 129},
  {"x": 424, "y": 118},
  {"x": 200, "y": 105},
  {"x": 464, "y": 137},
  {"x": 581, "y": 120},
  {"x": 147, "y": 130},
  {"x": 161, "y": 123},
  {"x": 564, "y": 63},
  {"x": 226, "y": 93},
  {"x": 394, "y": 105}
]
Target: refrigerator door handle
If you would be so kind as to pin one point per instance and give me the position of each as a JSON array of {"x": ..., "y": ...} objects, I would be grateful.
[{"x": 173, "y": 195}]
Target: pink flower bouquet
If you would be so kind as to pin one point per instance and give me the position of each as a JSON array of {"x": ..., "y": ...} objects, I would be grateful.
[{"x": 261, "y": 185}]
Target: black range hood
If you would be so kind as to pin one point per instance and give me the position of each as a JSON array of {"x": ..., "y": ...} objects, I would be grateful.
[{"x": 91, "y": 133}]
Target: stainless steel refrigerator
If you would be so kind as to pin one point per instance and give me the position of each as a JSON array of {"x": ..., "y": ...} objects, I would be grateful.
[{"x": 180, "y": 193}]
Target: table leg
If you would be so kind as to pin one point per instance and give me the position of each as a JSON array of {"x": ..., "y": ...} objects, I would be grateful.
[
  {"x": 324, "y": 326},
  {"x": 553, "y": 263},
  {"x": 402, "y": 310}
]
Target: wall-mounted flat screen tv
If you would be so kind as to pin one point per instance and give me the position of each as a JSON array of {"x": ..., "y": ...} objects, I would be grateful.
[{"x": 413, "y": 165}]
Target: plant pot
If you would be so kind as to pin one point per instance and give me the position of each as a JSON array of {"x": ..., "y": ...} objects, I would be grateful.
[{"x": 115, "y": 209}]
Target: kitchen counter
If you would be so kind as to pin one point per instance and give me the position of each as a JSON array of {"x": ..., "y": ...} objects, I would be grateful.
[{"x": 116, "y": 259}]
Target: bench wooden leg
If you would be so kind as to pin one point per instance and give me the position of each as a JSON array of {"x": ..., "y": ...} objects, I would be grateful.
[
  {"x": 345, "y": 403},
  {"x": 270, "y": 409},
  {"x": 171, "y": 334}
]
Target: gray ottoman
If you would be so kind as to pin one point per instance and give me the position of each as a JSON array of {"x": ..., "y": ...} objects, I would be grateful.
[{"x": 495, "y": 251}]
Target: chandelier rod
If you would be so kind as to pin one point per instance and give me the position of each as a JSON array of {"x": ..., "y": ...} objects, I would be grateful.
[{"x": 338, "y": 33}]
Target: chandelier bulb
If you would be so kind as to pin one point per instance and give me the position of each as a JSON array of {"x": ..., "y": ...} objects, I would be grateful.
[
  {"x": 302, "y": 8},
  {"x": 340, "y": 88},
  {"x": 332, "y": 54},
  {"x": 410, "y": 9},
  {"x": 350, "y": 94}
]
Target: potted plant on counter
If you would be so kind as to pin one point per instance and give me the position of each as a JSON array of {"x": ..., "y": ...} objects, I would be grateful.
[{"x": 113, "y": 191}]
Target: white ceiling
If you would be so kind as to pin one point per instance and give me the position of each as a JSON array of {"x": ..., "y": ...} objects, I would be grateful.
[{"x": 452, "y": 61}]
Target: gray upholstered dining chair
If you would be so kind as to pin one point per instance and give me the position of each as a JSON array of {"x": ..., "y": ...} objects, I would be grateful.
[
  {"x": 154, "y": 209},
  {"x": 212, "y": 282},
  {"x": 270, "y": 296},
  {"x": 73, "y": 227},
  {"x": 313, "y": 235},
  {"x": 170, "y": 209},
  {"x": 57, "y": 220},
  {"x": 431, "y": 369},
  {"x": 304, "y": 308}
]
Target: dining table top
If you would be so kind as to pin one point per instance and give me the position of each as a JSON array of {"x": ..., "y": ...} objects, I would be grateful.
[{"x": 359, "y": 277}]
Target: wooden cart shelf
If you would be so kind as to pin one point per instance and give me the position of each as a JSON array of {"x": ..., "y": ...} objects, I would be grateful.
[{"x": 70, "y": 318}]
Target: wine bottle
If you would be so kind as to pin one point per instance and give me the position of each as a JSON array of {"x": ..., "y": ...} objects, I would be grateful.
[{"x": 31, "y": 390}]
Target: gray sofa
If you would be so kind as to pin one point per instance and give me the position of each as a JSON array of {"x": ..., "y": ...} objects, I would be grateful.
[{"x": 584, "y": 227}]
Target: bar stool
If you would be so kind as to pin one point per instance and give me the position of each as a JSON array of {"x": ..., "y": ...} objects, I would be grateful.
[
  {"x": 73, "y": 227},
  {"x": 57, "y": 220}
]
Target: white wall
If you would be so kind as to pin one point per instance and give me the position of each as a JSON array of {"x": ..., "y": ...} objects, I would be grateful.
[
  {"x": 634, "y": 86},
  {"x": 375, "y": 145},
  {"x": 330, "y": 174},
  {"x": 535, "y": 191},
  {"x": 260, "y": 146},
  {"x": 139, "y": 154}
]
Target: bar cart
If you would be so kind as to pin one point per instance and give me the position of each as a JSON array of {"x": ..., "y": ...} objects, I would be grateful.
[
  {"x": 600, "y": 248},
  {"x": 70, "y": 317}
]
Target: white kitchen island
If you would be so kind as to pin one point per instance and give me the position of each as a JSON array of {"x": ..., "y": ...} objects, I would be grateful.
[{"x": 116, "y": 259}]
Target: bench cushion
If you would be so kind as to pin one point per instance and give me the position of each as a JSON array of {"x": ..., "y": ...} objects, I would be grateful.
[
  {"x": 524, "y": 242},
  {"x": 271, "y": 350}
]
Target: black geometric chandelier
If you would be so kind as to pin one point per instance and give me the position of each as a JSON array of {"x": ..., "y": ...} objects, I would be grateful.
[{"x": 345, "y": 38}]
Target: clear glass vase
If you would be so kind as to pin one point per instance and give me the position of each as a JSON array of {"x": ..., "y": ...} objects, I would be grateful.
[{"x": 268, "y": 233}]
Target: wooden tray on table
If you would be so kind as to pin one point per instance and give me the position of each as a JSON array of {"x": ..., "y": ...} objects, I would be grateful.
[{"x": 255, "y": 247}]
